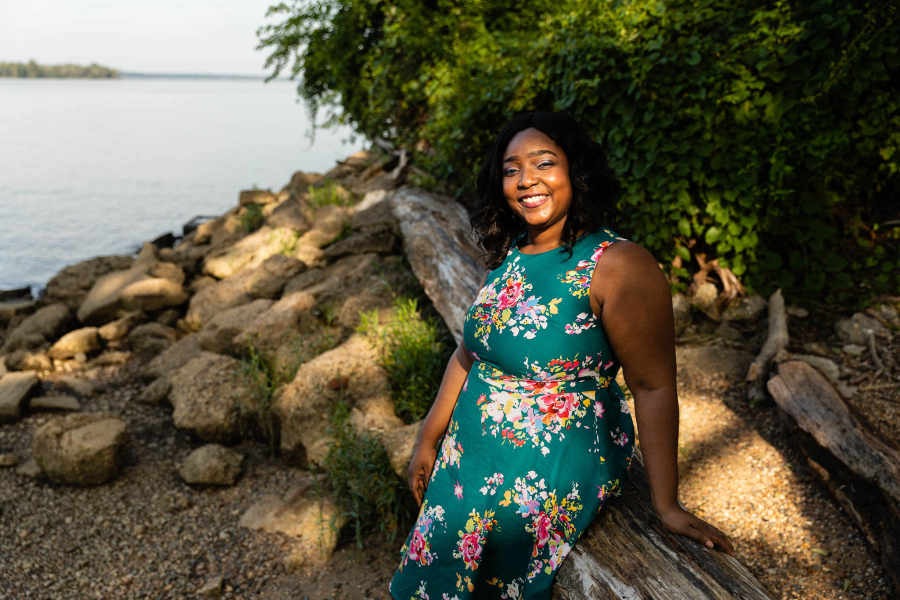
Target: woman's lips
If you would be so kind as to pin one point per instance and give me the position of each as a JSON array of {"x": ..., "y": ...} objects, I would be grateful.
[{"x": 534, "y": 201}]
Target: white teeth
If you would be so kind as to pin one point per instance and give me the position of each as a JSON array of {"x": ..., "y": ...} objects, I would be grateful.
[{"x": 533, "y": 199}]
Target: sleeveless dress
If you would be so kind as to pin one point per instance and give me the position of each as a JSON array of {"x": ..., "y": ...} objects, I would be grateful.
[{"x": 539, "y": 438}]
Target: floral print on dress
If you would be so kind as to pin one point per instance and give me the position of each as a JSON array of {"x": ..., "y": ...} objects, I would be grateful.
[
  {"x": 492, "y": 483},
  {"x": 472, "y": 538},
  {"x": 505, "y": 303},
  {"x": 551, "y": 520},
  {"x": 582, "y": 323},
  {"x": 451, "y": 450},
  {"x": 579, "y": 278},
  {"x": 514, "y": 590},
  {"x": 417, "y": 549}
]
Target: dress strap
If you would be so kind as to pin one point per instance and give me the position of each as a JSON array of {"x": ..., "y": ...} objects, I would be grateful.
[{"x": 605, "y": 238}]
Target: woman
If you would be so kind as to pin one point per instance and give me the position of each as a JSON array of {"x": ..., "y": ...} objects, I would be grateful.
[{"x": 536, "y": 432}]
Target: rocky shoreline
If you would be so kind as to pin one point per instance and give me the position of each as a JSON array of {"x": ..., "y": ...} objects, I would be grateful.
[{"x": 140, "y": 456}]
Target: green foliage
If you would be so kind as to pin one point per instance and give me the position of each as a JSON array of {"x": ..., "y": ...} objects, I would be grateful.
[
  {"x": 766, "y": 135},
  {"x": 287, "y": 245},
  {"x": 365, "y": 486},
  {"x": 251, "y": 218},
  {"x": 32, "y": 70},
  {"x": 330, "y": 194},
  {"x": 415, "y": 351}
]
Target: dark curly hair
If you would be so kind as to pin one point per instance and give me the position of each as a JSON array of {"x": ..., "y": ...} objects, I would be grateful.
[{"x": 595, "y": 186}]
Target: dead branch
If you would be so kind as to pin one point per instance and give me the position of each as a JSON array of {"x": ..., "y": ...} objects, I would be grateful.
[{"x": 777, "y": 339}]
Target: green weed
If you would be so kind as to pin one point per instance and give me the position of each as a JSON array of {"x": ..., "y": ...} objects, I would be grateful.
[
  {"x": 251, "y": 218},
  {"x": 330, "y": 194},
  {"x": 415, "y": 353},
  {"x": 288, "y": 244}
]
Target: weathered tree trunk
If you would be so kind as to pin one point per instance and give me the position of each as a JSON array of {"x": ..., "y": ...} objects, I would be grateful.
[
  {"x": 625, "y": 553},
  {"x": 776, "y": 339},
  {"x": 860, "y": 470}
]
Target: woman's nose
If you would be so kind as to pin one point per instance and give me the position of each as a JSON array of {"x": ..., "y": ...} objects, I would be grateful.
[{"x": 526, "y": 178}]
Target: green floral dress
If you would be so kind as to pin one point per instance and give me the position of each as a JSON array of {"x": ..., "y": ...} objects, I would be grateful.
[{"x": 540, "y": 436}]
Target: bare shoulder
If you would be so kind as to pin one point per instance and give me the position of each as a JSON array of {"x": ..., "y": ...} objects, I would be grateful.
[{"x": 626, "y": 268}]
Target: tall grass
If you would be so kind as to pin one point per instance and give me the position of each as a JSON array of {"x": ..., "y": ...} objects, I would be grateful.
[{"x": 329, "y": 194}]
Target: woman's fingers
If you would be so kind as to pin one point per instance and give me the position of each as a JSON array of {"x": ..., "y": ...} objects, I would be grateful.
[{"x": 709, "y": 536}]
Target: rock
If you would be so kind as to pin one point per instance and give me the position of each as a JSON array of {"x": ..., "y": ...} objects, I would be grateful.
[
  {"x": 348, "y": 314},
  {"x": 853, "y": 349},
  {"x": 156, "y": 392},
  {"x": 280, "y": 324},
  {"x": 311, "y": 256},
  {"x": 299, "y": 405},
  {"x": 22, "y": 293},
  {"x": 86, "y": 340},
  {"x": 681, "y": 306},
  {"x": 729, "y": 334},
  {"x": 201, "y": 282},
  {"x": 213, "y": 299},
  {"x": 797, "y": 312},
  {"x": 887, "y": 313},
  {"x": 75, "y": 385},
  {"x": 153, "y": 294},
  {"x": 9, "y": 460},
  {"x": 71, "y": 285},
  {"x": 209, "y": 394},
  {"x": 290, "y": 215},
  {"x": 328, "y": 225},
  {"x": 211, "y": 464},
  {"x": 375, "y": 210},
  {"x": 374, "y": 415},
  {"x": 175, "y": 356},
  {"x": 80, "y": 449},
  {"x": 11, "y": 308},
  {"x": 400, "y": 444},
  {"x": 166, "y": 270},
  {"x": 103, "y": 301},
  {"x": 438, "y": 243},
  {"x": 57, "y": 403},
  {"x": 15, "y": 388},
  {"x": 347, "y": 275},
  {"x": 704, "y": 298},
  {"x": 713, "y": 359},
  {"x": 25, "y": 360},
  {"x": 256, "y": 197},
  {"x": 37, "y": 329},
  {"x": 249, "y": 252},
  {"x": 166, "y": 240},
  {"x": 117, "y": 330},
  {"x": 150, "y": 339},
  {"x": 856, "y": 329},
  {"x": 3, "y": 369},
  {"x": 268, "y": 279},
  {"x": 304, "y": 280},
  {"x": 213, "y": 585},
  {"x": 314, "y": 523},
  {"x": 379, "y": 239},
  {"x": 748, "y": 308},
  {"x": 218, "y": 334},
  {"x": 31, "y": 469}
]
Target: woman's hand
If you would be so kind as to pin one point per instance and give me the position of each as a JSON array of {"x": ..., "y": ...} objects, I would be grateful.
[
  {"x": 678, "y": 520},
  {"x": 420, "y": 470}
]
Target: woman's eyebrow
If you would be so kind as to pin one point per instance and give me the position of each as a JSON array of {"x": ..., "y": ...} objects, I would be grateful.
[{"x": 530, "y": 155}]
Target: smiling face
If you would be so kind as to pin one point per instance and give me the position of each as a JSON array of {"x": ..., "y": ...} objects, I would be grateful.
[{"x": 536, "y": 183}]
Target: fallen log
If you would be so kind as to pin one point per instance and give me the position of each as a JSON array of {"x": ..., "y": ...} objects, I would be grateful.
[
  {"x": 860, "y": 470},
  {"x": 625, "y": 553}
]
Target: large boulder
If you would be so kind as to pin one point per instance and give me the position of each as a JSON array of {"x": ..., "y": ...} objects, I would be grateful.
[
  {"x": 211, "y": 464},
  {"x": 747, "y": 308},
  {"x": 175, "y": 356},
  {"x": 400, "y": 444},
  {"x": 218, "y": 334},
  {"x": 249, "y": 252},
  {"x": 80, "y": 341},
  {"x": 289, "y": 214},
  {"x": 117, "y": 330},
  {"x": 280, "y": 324},
  {"x": 80, "y": 449},
  {"x": 375, "y": 210},
  {"x": 9, "y": 309},
  {"x": 213, "y": 299},
  {"x": 37, "y": 329},
  {"x": 153, "y": 293},
  {"x": 329, "y": 223},
  {"x": 210, "y": 395},
  {"x": 71, "y": 285},
  {"x": 351, "y": 370},
  {"x": 374, "y": 416},
  {"x": 150, "y": 339},
  {"x": 376, "y": 239},
  {"x": 256, "y": 197},
  {"x": 268, "y": 279},
  {"x": 102, "y": 303},
  {"x": 15, "y": 388},
  {"x": 857, "y": 328}
]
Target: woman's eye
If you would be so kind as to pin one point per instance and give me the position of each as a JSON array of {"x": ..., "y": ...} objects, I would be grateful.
[
  {"x": 545, "y": 164},
  {"x": 508, "y": 172}
]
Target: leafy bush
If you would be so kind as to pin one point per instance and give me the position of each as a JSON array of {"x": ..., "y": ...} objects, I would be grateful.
[
  {"x": 766, "y": 135},
  {"x": 415, "y": 351},
  {"x": 251, "y": 218},
  {"x": 330, "y": 194}
]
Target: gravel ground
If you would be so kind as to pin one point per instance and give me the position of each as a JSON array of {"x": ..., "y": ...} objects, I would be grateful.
[{"x": 149, "y": 535}]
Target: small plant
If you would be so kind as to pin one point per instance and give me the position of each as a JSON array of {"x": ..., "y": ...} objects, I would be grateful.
[
  {"x": 251, "y": 218},
  {"x": 288, "y": 244},
  {"x": 365, "y": 486},
  {"x": 415, "y": 353},
  {"x": 330, "y": 194},
  {"x": 346, "y": 231}
]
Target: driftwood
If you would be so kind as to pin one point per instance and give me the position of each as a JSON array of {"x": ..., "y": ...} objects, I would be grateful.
[
  {"x": 860, "y": 470},
  {"x": 776, "y": 339},
  {"x": 625, "y": 553}
]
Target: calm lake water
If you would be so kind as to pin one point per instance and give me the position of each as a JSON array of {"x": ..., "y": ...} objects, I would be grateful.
[{"x": 93, "y": 167}]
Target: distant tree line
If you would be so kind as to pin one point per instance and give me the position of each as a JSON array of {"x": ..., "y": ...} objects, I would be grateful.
[{"x": 33, "y": 70}]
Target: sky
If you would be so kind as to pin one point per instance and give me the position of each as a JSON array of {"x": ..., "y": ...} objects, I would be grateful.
[{"x": 147, "y": 36}]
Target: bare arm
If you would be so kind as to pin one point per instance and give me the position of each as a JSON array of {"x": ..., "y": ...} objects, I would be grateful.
[{"x": 631, "y": 296}]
